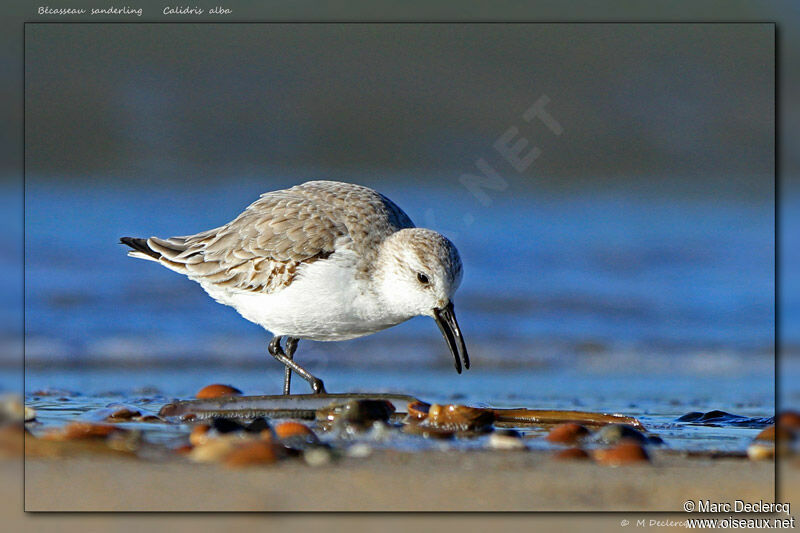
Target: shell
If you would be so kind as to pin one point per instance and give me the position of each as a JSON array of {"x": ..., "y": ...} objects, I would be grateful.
[
  {"x": 296, "y": 436},
  {"x": 199, "y": 434},
  {"x": 506, "y": 439},
  {"x": 122, "y": 413},
  {"x": 789, "y": 420},
  {"x": 217, "y": 390},
  {"x": 453, "y": 417},
  {"x": 317, "y": 456},
  {"x": 418, "y": 409},
  {"x": 212, "y": 450},
  {"x": 775, "y": 433},
  {"x": 568, "y": 433},
  {"x": 356, "y": 413},
  {"x": 255, "y": 452},
  {"x": 760, "y": 452},
  {"x": 614, "y": 433},
  {"x": 286, "y": 430},
  {"x": 625, "y": 452}
]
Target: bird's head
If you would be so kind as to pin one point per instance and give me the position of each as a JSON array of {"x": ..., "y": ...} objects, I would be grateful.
[{"x": 419, "y": 271}]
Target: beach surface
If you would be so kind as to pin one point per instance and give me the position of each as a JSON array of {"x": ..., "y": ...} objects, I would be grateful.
[{"x": 395, "y": 481}]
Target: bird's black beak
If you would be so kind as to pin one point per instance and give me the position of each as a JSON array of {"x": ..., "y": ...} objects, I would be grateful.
[{"x": 446, "y": 320}]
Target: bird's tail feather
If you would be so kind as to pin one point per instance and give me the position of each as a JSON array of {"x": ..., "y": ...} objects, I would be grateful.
[{"x": 140, "y": 248}]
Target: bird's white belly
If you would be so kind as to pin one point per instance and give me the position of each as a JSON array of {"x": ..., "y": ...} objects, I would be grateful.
[{"x": 324, "y": 303}]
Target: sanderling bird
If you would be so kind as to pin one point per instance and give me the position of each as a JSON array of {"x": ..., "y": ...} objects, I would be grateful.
[{"x": 324, "y": 261}]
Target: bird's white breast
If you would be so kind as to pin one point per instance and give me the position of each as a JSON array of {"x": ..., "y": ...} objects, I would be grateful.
[{"x": 326, "y": 302}]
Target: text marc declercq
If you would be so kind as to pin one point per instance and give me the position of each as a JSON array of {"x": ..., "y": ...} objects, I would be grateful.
[{"x": 739, "y": 506}]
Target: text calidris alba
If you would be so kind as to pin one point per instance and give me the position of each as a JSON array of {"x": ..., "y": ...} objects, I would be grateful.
[{"x": 325, "y": 261}]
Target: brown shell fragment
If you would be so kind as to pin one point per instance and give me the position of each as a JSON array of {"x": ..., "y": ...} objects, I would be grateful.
[
  {"x": 789, "y": 420},
  {"x": 777, "y": 433},
  {"x": 286, "y": 430},
  {"x": 199, "y": 434},
  {"x": 453, "y": 417},
  {"x": 148, "y": 418},
  {"x": 418, "y": 409},
  {"x": 184, "y": 449},
  {"x": 625, "y": 452},
  {"x": 123, "y": 413},
  {"x": 567, "y": 433},
  {"x": 255, "y": 452},
  {"x": 217, "y": 390}
]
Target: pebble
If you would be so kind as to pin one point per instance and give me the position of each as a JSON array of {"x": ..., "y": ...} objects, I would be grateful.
[
  {"x": 359, "y": 413},
  {"x": 614, "y": 433},
  {"x": 359, "y": 450},
  {"x": 506, "y": 439},
  {"x": 81, "y": 430},
  {"x": 259, "y": 425},
  {"x": 317, "y": 456},
  {"x": 199, "y": 434},
  {"x": 286, "y": 430},
  {"x": 775, "y": 433},
  {"x": 789, "y": 420},
  {"x": 571, "y": 454},
  {"x": 217, "y": 390},
  {"x": 224, "y": 425},
  {"x": 296, "y": 436},
  {"x": 123, "y": 413},
  {"x": 624, "y": 452},
  {"x": 255, "y": 452},
  {"x": 184, "y": 449},
  {"x": 212, "y": 451},
  {"x": 568, "y": 433},
  {"x": 12, "y": 409},
  {"x": 760, "y": 452}
]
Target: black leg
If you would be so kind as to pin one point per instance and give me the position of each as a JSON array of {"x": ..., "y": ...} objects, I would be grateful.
[
  {"x": 291, "y": 346},
  {"x": 277, "y": 352}
]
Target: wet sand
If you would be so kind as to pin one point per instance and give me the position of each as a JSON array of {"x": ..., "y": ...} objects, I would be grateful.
[{"x": 397, "y": 481}]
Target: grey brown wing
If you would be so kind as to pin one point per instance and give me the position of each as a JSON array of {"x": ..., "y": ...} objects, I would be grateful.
[
  {"x": 368, "y": 216},
  {"x": 261, "y": 250}
]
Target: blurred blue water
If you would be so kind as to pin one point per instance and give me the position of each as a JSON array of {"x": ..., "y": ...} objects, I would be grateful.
[{"x": 547, "y": 275}]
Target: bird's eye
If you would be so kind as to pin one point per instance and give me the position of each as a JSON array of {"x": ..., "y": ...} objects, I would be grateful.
[{"x": 422, "y": 278}]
